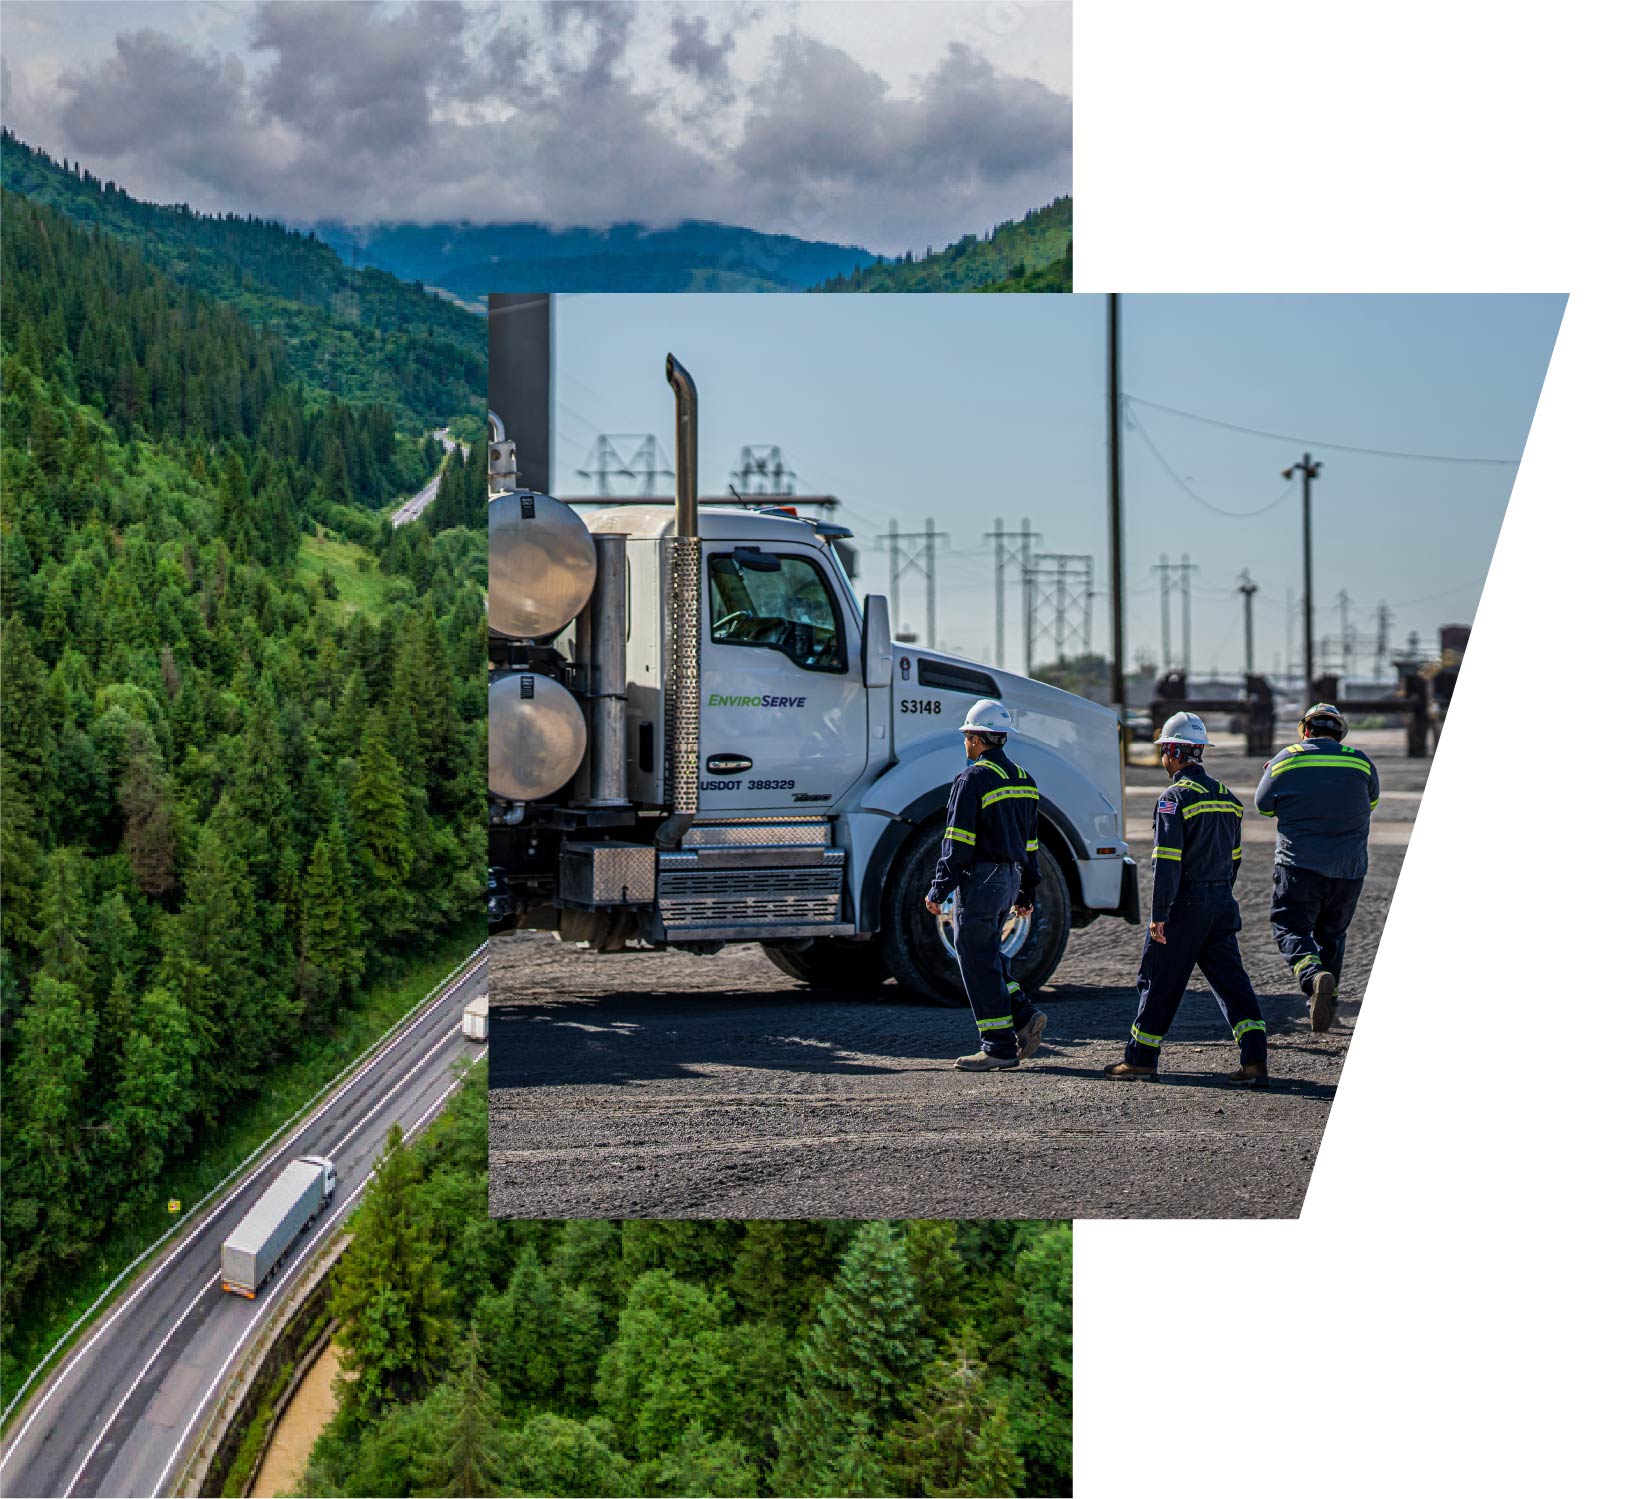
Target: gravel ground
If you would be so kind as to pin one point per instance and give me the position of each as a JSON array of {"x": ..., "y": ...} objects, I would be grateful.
[{"x": 664, "y": 1085}]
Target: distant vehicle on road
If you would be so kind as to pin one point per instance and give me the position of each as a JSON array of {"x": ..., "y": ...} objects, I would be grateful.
[
  {"x": 267, "y": 1232},
  {"x": 474, "y": 1023}
]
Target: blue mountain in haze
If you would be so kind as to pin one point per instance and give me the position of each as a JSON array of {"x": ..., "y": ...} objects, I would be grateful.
[{"x": 470, "y": 260}]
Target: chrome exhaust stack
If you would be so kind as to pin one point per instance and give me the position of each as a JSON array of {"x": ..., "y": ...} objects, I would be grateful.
[
  {"x": 682, "y": 727},
  {"x": 601, "y": 635}
]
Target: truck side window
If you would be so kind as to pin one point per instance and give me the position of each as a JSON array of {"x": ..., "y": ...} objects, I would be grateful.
[{"x": 786, "y": 607}]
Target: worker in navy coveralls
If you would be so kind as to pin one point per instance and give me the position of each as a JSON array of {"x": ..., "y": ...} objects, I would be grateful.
[
  {"x": 1322, "y": 793},
  {"x": 989, "y": 858},
  {"x": 1193, "y": 914}
]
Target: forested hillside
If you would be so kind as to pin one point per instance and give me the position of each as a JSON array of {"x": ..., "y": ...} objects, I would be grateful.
[
  {"x": 1029, "y": 254},
  {"x": 243, "y": 721},
  {"x": 357, "y": 334},
  {"x": 691, "y": 1357}
]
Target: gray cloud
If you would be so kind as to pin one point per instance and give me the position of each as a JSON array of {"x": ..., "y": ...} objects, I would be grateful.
[
  {"x": 447, "y": 111},
  {"x": 696, "y": 54}
]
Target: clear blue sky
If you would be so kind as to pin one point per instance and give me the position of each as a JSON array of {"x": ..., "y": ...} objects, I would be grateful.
[{"x": 967, "y": 408}]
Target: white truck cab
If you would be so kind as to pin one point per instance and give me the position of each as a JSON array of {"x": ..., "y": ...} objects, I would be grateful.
[{"x": 714, "y": 740}]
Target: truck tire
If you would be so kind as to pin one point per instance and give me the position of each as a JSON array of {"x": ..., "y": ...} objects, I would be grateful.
[
  {"x": 831, "y": 963},
  {"x": 911, "y": 942}
]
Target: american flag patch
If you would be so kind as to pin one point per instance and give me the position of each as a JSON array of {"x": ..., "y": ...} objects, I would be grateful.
[{"x": 1168, "y": 803}]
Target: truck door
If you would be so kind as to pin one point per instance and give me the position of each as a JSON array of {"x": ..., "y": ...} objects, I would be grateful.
[{"x": 784, "y": 711}]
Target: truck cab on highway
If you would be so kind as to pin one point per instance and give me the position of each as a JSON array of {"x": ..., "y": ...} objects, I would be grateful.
[{"x": 699, "y": 734}]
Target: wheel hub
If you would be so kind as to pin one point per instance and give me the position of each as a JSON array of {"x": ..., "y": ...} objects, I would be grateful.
[{"x": 1015, "y": 931}]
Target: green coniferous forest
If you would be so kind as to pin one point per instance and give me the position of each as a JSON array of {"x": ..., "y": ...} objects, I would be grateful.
[
  {"x": 1032, "y": 254},
  {"x": 243, "y": 721},
  {"x": 354, "y": 333},
  {"x": 590, "y": 1357}
]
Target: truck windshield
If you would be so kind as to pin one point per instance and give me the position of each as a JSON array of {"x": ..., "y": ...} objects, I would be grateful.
[{"x": 790, "y": 610}]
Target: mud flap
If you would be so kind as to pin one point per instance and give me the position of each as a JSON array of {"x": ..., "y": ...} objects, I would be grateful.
[{"x": 1128, "y": 907}]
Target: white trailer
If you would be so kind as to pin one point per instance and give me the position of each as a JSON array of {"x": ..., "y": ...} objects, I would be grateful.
[
  {"x": 282, "y": 1213},
  {"x": 699, "y": 734},
  {"x": 473, "y": 1023}
]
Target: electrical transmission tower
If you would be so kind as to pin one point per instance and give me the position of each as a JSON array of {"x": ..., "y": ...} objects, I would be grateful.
[
  {"x": 1385, "y": 623},
  {"x": 1182, "y": 568},
  {"x": 760, "y": 470},
  {"x": 632, "y": 460},
  {"x": 1070, "y": 582},
  {"x": 1346, "y": 634},
  {"x": 1009, "y": 551},
  {"x": 910, "y": 552}
]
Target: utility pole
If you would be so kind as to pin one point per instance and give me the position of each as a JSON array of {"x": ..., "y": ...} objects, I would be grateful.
[
  {"x": 1310, "y": 471},
  {"x": 1164, "y": 567},
  {"x": 1246, "y": 588},
  {"x": 1186, "y": 567},
  {"x": 1345, "y": 636},
  {"x": 1009, "y": 552},
  {"x": 914, "y": 551},
  {"x": 1113, "y": 447}
]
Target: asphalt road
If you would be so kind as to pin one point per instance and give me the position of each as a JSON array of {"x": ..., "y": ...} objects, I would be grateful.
[
  {"x": 662, "y": 1085},
  {"x": 122, "y": 1407},
  {"x": 414, "y": 508}
]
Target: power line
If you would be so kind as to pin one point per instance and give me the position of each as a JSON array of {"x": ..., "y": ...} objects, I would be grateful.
[
  {"x": 1173, "y": 474},
  {"x": 1346, "y": 447}
]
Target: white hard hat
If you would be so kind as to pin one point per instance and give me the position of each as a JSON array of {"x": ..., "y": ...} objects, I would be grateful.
[
  {"x": 1183, "y": 728},
  {"x": 988, "y": 716}
]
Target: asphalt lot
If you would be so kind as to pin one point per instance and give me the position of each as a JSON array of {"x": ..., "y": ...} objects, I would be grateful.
[{"x": 665, "y": 1085}]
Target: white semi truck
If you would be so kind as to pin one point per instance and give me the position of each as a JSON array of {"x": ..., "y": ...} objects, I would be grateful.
[
  {"x": 281, "y": 1214},
  {"x": 699, "y": 734}
]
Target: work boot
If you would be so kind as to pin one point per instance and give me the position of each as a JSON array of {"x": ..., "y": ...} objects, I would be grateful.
[
  {"x": 1124, "y": 1071},
  {"x": 985, "y": 1061},
  {"x": 1030, "y": 1036},
  {"x": 1250, "y": 1075},
  {"x": 1323, "y": 1001}
]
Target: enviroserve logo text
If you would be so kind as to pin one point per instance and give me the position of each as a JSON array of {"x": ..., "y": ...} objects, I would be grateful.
[{"x": 757, "y": 700}]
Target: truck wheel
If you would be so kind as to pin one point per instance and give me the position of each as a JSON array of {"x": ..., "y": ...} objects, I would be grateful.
[
  {"x": 831, "y": 963},
  {"x": 919, "y": 956}
]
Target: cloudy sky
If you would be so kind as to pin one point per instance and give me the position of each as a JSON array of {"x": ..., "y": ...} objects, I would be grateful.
[{"x": 891, "y": 125}]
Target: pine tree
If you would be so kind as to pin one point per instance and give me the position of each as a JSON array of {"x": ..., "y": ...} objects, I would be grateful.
[
  {"x": 331, "y": 959},
  {"x": 859, "y": 1359},
  {"x": 957, "y": 1440},
  {"x": 46, "y": 1162},
  {"x": 467, "y": 1457},
  {"x": 665, "y": 1368},
  {"x": 518, "y": 1334},
  {"x": 149, "y": 836},
  {"x": 379, "y": 809},
  {"x": 389, "y": 1299}
]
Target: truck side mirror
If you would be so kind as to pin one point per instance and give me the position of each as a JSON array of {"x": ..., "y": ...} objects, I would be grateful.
[{"x": 877, "y": 651}]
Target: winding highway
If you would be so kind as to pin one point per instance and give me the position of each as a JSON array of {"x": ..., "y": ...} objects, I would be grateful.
[
  {"x": 121, "y": 1410},
  {"x": 414, "y": 508}
]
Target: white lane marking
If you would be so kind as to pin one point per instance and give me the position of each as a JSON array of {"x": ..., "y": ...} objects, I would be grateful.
[
  {"x": 107, "y": 1425},
  {"x": 232, "y": 1355},
  {"x": 449, "y": 986},
  {"x": 402, "y": 1083}
]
